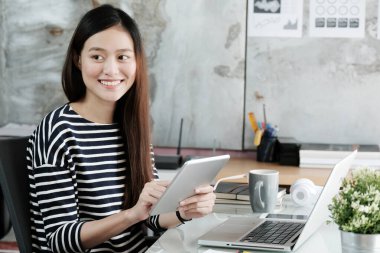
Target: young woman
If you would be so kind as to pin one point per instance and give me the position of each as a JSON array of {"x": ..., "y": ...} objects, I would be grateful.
[{"x": 90, "y": 165}]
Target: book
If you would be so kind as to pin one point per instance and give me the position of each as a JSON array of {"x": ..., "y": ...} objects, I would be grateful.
[
  {"x": 238, "y": 192},
  {"x": 229, "y": 190},
  {"x": 231, "y": 201}
]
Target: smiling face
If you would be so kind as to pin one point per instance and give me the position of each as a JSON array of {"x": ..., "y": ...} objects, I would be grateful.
[{"x": 108, "y": 66}]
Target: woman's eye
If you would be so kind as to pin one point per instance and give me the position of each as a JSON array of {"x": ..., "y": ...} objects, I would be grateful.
[
  {"x": 124, "y": 57},
  {"x": 97, "y": 57}
]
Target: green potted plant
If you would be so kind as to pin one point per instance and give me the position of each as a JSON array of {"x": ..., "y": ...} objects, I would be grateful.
[{"x": 356, "y": 210}]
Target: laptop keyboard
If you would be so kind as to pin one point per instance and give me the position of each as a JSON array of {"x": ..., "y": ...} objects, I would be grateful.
[{"x": 273, "y": 232}]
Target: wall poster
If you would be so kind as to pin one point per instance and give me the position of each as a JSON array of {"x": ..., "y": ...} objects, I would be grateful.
[
  {"x": 337, "y": 18},
  {"x": 275, "y": 18}
]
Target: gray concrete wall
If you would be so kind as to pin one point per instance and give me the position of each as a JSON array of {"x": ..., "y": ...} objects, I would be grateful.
[
  {"x": 34, "y": 39},
  {"x": 315, "y": 89},
  {"x": 196, "y": 62}
]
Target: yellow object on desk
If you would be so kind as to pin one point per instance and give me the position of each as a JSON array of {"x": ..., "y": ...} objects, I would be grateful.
[
  {"x": 258, "y": 136},
  {"x": 253, "y": 122},
  {"x": 256, "y": 129}
]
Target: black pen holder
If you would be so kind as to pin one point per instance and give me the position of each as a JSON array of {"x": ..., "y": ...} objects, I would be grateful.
[{"x": 266, "y": 151}]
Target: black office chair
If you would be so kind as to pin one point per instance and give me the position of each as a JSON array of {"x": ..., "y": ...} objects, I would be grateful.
[{"x": 14, "y": 185}]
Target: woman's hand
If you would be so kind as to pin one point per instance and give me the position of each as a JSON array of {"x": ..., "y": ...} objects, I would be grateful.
[
  {"x": 150, "y": 194},
  {"x": 198, "y": 205}
]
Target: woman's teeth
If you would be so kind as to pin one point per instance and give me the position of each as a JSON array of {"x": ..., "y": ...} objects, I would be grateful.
[{"x": 113, "y": 83}]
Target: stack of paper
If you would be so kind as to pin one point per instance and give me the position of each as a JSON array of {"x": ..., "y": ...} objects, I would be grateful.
[{"x": 316, "y": 155}]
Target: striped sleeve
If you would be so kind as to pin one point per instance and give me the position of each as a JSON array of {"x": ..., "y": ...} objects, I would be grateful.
[
  {"x": 54, "y": 191},
  {"x": 56, "y": 199}
]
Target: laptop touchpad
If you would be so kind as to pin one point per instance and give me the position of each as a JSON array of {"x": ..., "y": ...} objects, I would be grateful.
[{"x": 230, "y": 230}]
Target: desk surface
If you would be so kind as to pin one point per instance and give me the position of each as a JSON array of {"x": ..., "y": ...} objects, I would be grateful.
[
  {"x": 288, "y": 174},
  {"x": 184, "y": 238}
]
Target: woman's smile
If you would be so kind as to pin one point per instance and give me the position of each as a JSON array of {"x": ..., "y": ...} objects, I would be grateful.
[{"x": 110, "y": 83}]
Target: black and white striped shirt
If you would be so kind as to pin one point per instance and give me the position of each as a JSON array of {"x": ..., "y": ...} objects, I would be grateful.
[{"x": 77, "y": 172}]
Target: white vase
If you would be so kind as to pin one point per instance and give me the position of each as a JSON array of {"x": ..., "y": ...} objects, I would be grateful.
[{"x": 360, "y": 243}]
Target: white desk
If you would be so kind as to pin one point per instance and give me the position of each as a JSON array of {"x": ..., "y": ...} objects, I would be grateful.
[{"x": 184, "y": 238}]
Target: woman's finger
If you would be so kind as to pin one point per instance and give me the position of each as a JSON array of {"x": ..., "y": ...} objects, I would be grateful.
[
  {"x": 200, "y": 204},
  {"x": 197, "y": 212},
  {"x": 204, "y": 189},
  {"x": 198, "y": 198}
]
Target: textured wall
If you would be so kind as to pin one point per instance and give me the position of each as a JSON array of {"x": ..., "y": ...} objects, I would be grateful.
[
  {"x": 317, "y": 89},
  {"x": 198, "y": 74},
  {"x": 35, "y": 36},
  {"x": 196, "y": 60}
]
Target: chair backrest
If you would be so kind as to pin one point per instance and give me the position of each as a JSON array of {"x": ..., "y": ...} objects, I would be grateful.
[{"x": 15, "y": 186}]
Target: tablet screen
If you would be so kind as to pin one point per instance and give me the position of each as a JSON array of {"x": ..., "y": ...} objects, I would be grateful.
[{"x": 192, "y": 174}]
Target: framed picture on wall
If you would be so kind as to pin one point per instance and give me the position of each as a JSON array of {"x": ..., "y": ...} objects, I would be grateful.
[
  {"x": 275, "y": 18},
  {"x": 337, "y": 18}
]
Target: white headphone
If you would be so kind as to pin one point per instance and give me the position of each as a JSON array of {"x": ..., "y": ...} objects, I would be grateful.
[{"x": 303, "y": 191}]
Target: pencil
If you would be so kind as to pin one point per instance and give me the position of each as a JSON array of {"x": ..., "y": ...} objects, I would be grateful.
[
  {"x": 258, "y": 136},
  {"x": 253, "y": 122}
]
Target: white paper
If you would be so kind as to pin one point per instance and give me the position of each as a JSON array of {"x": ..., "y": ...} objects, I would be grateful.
[
  {"x": 337, "y": 18},
  {"x": 275, "y": 18}
]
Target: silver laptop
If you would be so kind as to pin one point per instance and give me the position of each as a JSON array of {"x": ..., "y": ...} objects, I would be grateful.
[{"x": 278, "y": 235}]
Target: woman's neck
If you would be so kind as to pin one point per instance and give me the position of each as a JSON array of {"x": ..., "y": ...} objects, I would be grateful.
[{"x": 99, "y": 113}]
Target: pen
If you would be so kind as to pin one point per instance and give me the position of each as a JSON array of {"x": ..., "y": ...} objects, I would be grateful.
[{"x": 265, "y": 117}]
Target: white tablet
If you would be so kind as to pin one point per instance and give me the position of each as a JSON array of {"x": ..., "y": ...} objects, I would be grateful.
[{"x": 192, "y": 174}]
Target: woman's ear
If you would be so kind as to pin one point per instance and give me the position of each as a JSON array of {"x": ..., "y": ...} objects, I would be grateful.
[{"x": 77, "y": 61}]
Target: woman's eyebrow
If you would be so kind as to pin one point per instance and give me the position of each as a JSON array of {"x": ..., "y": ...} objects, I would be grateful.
[
  {"x": 125, "y": 50},
  {"x": 103, "y": 50},
  {"x": 96, "y": 49}
]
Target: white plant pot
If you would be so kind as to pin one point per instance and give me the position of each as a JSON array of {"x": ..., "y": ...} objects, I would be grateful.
[{"x": 360, "y": 243}]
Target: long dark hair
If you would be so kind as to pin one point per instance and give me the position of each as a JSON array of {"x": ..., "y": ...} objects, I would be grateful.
[{"x": 132, "y": 110}]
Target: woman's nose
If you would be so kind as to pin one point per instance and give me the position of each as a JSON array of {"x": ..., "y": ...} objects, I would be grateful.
[{"x": 111, "y": 67}]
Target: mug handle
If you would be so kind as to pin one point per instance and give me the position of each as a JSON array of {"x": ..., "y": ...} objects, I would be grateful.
[{"x": 257, "y": 195}]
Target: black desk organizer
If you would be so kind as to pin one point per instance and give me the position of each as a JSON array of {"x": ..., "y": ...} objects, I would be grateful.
[{"x": 284, "y": 150}]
